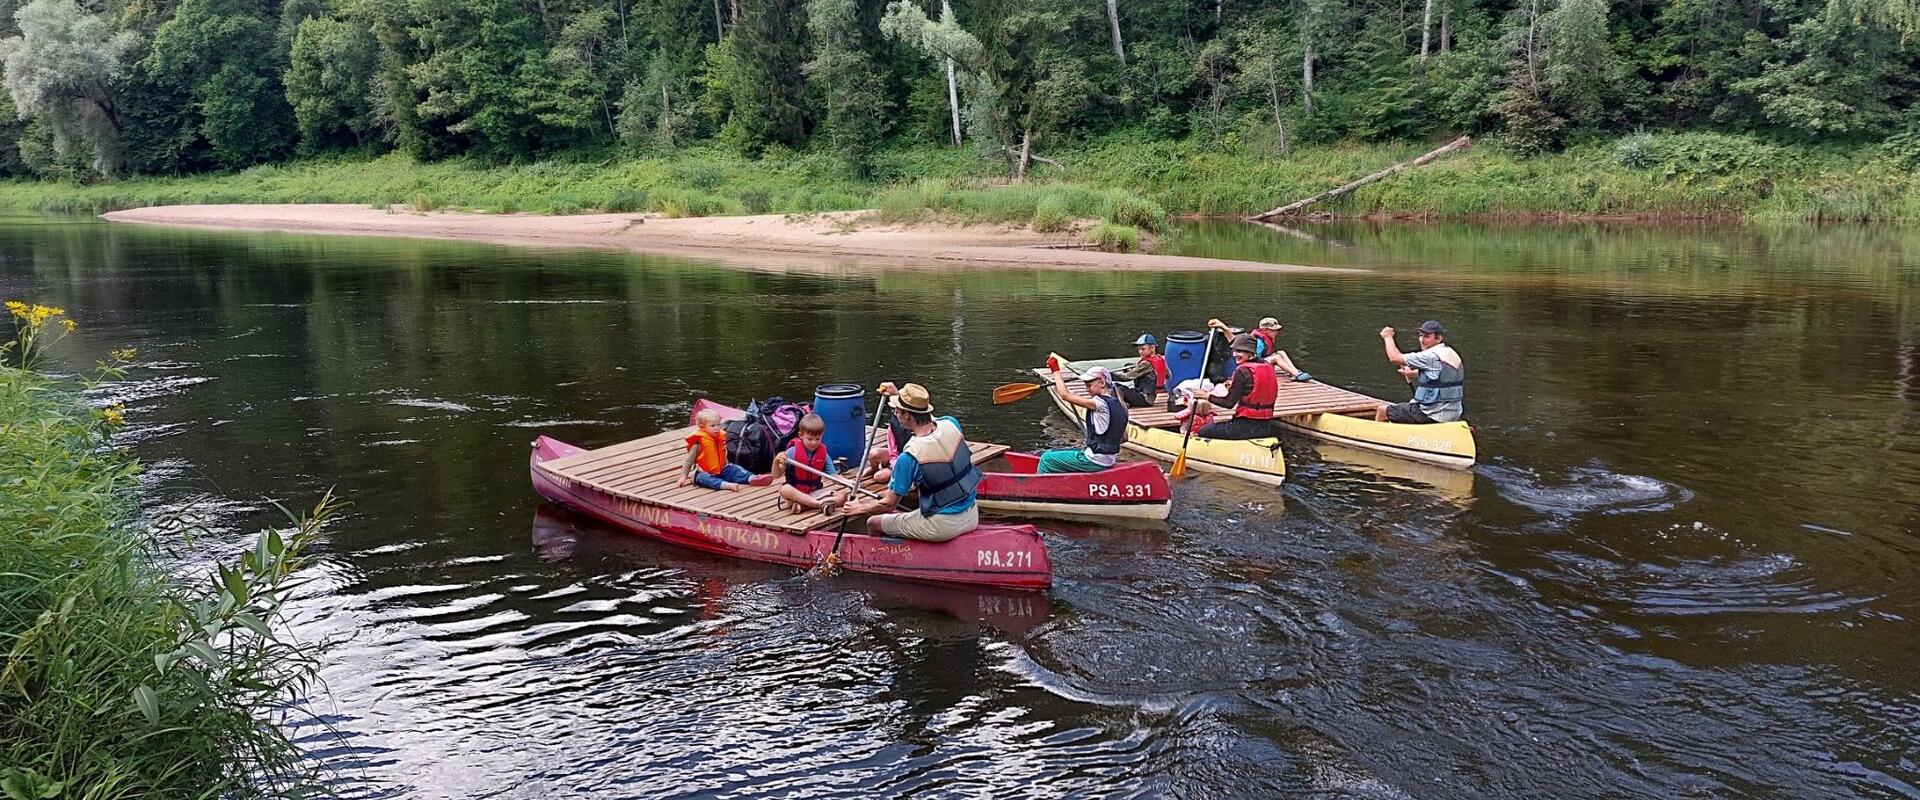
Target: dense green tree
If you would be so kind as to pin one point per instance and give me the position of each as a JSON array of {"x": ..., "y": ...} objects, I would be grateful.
[
  {"x": 329, "y": 79},
  {"x": 225, "y": 52},
  {"x": 844, "y": 74}
]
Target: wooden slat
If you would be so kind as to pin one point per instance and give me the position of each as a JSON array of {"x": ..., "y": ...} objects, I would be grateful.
[{"x": 577, "y": 460}]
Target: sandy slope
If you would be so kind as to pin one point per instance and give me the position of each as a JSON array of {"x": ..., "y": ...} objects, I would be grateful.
[{"x": 819, "y": 240}]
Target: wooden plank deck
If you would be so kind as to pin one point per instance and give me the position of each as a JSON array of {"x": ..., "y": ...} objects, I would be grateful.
[
  {"x": 648, "y": 470},
  {"x": 1295, "y": 399}
]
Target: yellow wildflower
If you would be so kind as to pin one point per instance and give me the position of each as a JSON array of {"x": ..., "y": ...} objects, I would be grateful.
[
  {"x": 70, "y": 325},
  {"x": 115, "y": 415},
  {"x": 124, "y": 355},
  {"x": 18, "y": 308}
]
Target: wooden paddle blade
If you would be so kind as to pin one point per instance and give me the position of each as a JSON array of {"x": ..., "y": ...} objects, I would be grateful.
[
  {"x": 1014, "y": 392},
  {"x": 1179, "y": 465}
]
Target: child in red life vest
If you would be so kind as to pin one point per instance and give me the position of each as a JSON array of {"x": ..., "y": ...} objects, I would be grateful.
[
  {"x": 707, "y": 458},
  {"x": 806, "y": 490}
]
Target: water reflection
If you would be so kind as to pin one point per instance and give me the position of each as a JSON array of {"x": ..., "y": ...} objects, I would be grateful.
[{"x": 1685, "y": 566}]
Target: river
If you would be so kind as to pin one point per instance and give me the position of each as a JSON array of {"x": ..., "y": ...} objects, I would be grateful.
[{"x": 1688, "y": 563}]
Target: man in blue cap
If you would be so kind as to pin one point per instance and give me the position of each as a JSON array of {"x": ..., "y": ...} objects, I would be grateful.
[
  {"x": 1439, "y": 379},
  {"x": 1148, "y": 375}
]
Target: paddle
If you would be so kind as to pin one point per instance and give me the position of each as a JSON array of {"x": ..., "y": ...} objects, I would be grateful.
[
  {"x": 1180, "y": 461},
  {"x": 835, "y": 478},
  {"x": 1014, "y": 393},
  {"x": 860, "y": 476}
]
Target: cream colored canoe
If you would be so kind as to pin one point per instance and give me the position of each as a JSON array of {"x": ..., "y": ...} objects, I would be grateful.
[
  {"x": 1340, "y": 415},
  {"x": 1258, "y": 460}
]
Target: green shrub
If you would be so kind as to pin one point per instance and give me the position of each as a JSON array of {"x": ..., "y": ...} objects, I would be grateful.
[
  {"x": 1051, "y": 216},
  {"x": 1133, "y": 211},
  {"x": 1116, "y": 238}
]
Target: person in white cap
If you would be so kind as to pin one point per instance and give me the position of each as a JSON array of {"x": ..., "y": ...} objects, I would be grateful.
[{"x": 1103, "y": 424}]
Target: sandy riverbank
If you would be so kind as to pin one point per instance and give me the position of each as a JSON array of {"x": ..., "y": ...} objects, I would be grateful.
[{"x": 770, "y": 240}]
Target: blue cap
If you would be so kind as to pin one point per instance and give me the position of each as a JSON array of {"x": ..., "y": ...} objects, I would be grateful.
[{"x": 1146, "y": 338}]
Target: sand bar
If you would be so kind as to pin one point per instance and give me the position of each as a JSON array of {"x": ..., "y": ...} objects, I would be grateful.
[{"x": 773, "y": 240}]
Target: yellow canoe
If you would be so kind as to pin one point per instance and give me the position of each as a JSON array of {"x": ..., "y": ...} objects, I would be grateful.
[
  {"x": 1258, "y": 460},
  {"x": 1346, "y": 417}
]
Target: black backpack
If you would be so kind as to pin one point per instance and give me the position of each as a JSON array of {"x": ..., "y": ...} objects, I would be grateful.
[{"x": 767, "y": 429}]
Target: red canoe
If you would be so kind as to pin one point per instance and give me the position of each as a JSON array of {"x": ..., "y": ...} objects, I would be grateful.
[
  {"x": 733, "y": 524},
  {"x": 1130, "y": 489}
]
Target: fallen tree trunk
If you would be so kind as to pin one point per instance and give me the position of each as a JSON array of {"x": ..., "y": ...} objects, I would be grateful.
[{"x": 1461, "y": 143}]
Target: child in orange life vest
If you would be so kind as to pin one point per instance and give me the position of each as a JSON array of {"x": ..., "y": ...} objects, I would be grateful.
[
  {"x": 707, "y": 458},
  {"x": 803, "y": 489}
]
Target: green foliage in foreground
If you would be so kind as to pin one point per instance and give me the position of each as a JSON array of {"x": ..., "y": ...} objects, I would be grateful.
[
  {"x": 117, "y": 681},
  {"x": 1126, "y": 179}
]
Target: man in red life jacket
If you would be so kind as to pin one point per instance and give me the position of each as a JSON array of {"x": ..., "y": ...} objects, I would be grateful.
[
  {"x": 1251, "y": 392},
  {"x": 1147, "y": 377}
]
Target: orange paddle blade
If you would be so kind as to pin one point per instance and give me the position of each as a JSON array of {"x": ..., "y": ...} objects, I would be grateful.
[
  {"x": 1179, "y": 465},
  {"x": 1013, "y": 392}
]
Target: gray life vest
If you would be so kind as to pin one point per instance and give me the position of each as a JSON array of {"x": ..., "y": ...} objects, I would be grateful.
[
  {"x": 943, "y": 483},
  {"x": 1450, "y": 387},
  {"x": 1107, "y": 444}
]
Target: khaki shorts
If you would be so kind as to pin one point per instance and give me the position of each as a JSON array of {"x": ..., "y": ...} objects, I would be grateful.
[{"x": 937, "y": 528}]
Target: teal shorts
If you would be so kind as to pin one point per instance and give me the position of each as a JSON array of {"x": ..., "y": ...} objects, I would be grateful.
[{"x": 1067, "y": 461}]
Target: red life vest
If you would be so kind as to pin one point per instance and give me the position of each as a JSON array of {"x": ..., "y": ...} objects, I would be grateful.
[
  {"x": 710, "y": 451},
  {"x": 801, "y": 479},
  {"x": 1266, "y": 337},
  {"x": 1159, "y": 363},
  {"x": 1258, "y": 404}
]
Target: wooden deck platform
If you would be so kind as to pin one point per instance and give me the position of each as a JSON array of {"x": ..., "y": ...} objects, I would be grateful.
[
  {"x": 647, "y": 470},
  {"x": 1295, "y": 399}
]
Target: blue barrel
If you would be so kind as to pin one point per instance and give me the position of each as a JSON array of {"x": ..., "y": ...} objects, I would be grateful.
[
  {"x": 844, "y": 407},
  {"x": 1185, "y": 352}
]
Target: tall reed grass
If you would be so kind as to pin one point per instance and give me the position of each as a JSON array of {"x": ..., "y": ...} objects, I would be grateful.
[{"x": 118, "y": 680}]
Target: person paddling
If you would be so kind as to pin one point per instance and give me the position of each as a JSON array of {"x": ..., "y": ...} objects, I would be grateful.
[
  {"x": 1104, "y": 428},
  {"x": 1251, "y": 392},
  {"x": 1439, "y": 379},
  {"x": 936, "y": 463}
]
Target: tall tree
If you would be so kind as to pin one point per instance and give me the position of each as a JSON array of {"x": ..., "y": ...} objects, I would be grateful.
[
  {"x": 848, "y": 82},
  {"x": 60, "y": 68},
  {"x": 226, "y": 53},
  {"x": 333, "y": 64}
]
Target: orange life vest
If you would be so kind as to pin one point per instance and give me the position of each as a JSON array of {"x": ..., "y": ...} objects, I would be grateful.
[
  {"x": 710, "y": 451},
  {"x": 1258, "y": 404}
]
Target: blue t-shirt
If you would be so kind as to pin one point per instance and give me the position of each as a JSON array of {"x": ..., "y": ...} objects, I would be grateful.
[{"x": 906, "y": 472}]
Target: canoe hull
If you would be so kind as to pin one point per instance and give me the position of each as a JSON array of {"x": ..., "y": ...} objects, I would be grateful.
[
  {"x": 1257, "y": 460},
  {"x": 1449, "y": 444},
  {"x": 1003, "y": 556},
  {"x": 1132, "y": 490}
]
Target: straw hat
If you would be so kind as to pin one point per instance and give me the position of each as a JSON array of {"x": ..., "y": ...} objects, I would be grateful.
[{"x": 912, "y": 398}]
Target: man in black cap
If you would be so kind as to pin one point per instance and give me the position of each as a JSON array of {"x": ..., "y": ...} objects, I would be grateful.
[{"x": 1439, "y": 379}]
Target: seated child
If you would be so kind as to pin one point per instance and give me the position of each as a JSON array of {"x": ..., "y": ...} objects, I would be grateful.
[
  {"x": 707, "y": 458},
  {"x": 1194, "y": 395},
  {"x": 804, "y": 489}
]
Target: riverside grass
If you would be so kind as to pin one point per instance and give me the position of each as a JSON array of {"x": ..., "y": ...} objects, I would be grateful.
[
  {"x": 1121, "y": 179},
  {"x": 118, "y": 680}
]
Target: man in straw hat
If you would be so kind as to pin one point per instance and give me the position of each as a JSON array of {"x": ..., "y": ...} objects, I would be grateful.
[
  {"x": 936, "y": 463},
  {"x": 1104, "y": 425}
]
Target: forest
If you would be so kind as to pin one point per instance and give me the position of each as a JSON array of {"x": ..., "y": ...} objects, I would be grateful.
[{"x": 112, "y": 88}]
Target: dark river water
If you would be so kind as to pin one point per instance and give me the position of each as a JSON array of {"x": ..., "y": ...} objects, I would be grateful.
[{"x": 1688, "y": 564}]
